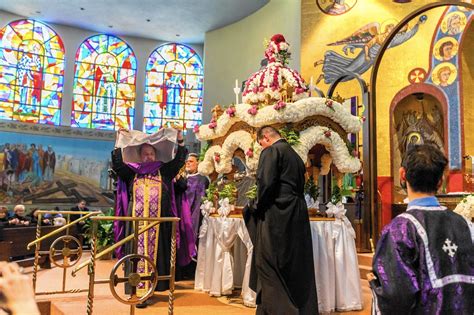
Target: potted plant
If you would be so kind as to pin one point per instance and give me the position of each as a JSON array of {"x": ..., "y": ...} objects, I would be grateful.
[{"x": 105, "y": 233}]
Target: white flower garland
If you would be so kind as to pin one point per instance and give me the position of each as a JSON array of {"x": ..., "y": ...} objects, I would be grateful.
[
  {"x": 293, "y": 112},
  {"x": 334, "y": 144},
  {"x": 466, "y": 207},
  {"x": 238, "y": 139}
]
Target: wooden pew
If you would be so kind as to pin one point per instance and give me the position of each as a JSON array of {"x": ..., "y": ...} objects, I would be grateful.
[{"x": 21, "y": 236}]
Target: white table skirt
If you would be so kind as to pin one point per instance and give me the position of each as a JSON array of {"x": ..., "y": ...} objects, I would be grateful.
[{"x": 225, "y": 254}]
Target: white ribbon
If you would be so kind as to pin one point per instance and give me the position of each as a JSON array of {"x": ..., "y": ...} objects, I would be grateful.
[
  {"x": 339, "y": 212},
  {"x": 224, "y": 208},
  {"x": 310, "y": 202},
  {"x": 206, "y": 209}
]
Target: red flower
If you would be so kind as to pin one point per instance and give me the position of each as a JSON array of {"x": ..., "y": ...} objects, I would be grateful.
[
  {"x": 196, "y": 129},
  {"x": 278, "y": 38},
  {"x": 363, "y": 118},
  {"x": 261, "y": 89},
  {"x": 217, "y": 157},
  {"x": 327, "y": 133},
  {"x": 329, "y": 103}
]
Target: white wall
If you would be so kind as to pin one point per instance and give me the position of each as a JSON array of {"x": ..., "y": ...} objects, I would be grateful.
[
  {"x": 235, "y": 51},
  {"x": 73, "y": 37}
]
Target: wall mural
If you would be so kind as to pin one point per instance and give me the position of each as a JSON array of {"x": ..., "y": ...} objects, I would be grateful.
[
  {"x": 335, "y": 7},
  {"x": 41, "y": 169},
  {"x": 360, "y": 49},
  {"x": 443, "y": 73}
]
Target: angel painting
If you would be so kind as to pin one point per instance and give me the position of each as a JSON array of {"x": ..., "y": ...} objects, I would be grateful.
[{"x": 369, "y": 39}]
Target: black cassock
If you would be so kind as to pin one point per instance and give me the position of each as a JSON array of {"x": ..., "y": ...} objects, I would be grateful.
[
  {"x": 168, "y": 172},
  {"x": 283, "y": 269}
]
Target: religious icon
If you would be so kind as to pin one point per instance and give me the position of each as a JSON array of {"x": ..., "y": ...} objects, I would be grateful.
[
  {"x": 453, "y": 23},
  {"x": 444, "y": 74},
  {"x": 335, "y": 7},
  {"x": 445, "y": 48},
  {"x": 105, "y": 87},
  {"x": 369, "y": 39}
]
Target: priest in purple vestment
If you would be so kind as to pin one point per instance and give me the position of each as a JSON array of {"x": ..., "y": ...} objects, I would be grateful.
[
  {"x": 196, "y": 189},
  {"x": 145, "y": 189},
  {"x": 424, "y": 262}
]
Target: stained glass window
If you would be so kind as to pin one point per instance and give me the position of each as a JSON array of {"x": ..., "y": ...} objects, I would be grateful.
[
  {"x": 104, "y": 84},
  {"x": 173, "y": 87},
  {"x": 31, "y": 73}
]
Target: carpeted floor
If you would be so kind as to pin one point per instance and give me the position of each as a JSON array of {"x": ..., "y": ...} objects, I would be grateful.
[{"x": 187, "y": 300}]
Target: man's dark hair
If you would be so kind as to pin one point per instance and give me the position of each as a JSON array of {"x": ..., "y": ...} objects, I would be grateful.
[
  {"x": 443, "y": 45},
  {"x": 424, "y": 165},
  {"x": 194, "y": 155},
  {"x": 140, "y": 148},
  {"x": 267, "y": 129}
]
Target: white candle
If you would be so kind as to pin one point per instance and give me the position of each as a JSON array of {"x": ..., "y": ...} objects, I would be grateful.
[
  {"x": 311, "y": 86},
  {"x": 236, "y": 83}
]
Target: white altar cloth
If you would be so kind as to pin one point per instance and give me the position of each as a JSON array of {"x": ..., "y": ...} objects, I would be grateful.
[{"x": 225, "y": 254}]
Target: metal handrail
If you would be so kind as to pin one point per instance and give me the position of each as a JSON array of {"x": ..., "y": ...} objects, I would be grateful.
[
  {"x": 64, "y": 227},
  {"x": 91, "y": 263}
]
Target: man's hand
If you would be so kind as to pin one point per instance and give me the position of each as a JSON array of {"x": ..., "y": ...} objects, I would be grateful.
[{"x": 18, "y": 295}]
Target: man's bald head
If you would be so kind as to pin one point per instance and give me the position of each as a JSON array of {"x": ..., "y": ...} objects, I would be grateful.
[{"x": 267, "y": 135}]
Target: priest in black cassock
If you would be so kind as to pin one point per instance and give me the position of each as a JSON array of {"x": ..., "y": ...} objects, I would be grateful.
[
  {"x": 424, "y": 262},
  {"x": 283, "y": 273}
]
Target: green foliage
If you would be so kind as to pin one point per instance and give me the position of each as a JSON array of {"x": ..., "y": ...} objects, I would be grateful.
[
  {"x": 105, "y": 231},
  {"x": 210, "y": 193},
  {"x": 252, "y": 192},
  {"x": 311, "y": 188},
  {"x": 229, "y": 191},
  {"x": 336, "y": 195},
  {"x": 290, "y": 135},
  {"x": 204, "y": 149},
  {"x": 284, "y": 57}
]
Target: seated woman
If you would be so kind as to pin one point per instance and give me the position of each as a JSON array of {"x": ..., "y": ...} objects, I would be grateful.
[{"x": 19, "y": 218}]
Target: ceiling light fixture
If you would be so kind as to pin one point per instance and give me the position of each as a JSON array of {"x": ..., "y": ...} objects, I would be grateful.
[
  {"x": 148, "y": 20},
  {"x": 111, "y": 26},
  {"x": 82, "y": 9},
  {"x": 177, "y": 35},
  {"x": 39, "y": 12}
]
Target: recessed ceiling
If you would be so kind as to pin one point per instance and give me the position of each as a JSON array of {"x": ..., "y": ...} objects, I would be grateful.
[{"x": 170, "y": 20}]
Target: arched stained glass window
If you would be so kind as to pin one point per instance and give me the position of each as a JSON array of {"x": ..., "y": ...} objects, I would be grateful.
[
  {"x": 173, "y": 87},
  {"x": 31, "y": 73},
  {"x": 104, "y": 84}
]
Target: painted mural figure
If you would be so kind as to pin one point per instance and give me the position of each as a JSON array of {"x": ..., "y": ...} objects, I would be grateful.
[
  {"x": 35, "y": 161},
  {"x": 335, "y": 7},
  {"x": 455, "y": 24},
  {"x": 49, "y": 161},
  {"x": 446, "y": 50},
  {"x": 369, "y": 39},
  {"x": 30, "y": 79},
  {"x": 443, "y": 76}
]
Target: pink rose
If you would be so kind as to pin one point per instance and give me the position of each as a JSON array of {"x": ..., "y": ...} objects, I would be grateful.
[
  {"x": 249, "y": 153},
  {"x": 255, "y": 90},
  {"x": 327, "y": 133},
  {"x": 217, "y": 157},
  {"x": 363, "y": 118},
  {"x": 212, "y": 124},
  {"x": 329, "y": 103},
  {"x": 279, "y": 105},
  {"x": 253, "y": 110},
  {"x": 196, "y": 129},
  {"x": 261, "y": 89},
  {"x": 231, "y": 111}
]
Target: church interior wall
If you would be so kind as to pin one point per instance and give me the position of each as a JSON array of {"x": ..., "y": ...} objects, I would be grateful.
[
  {"x": 324, "y": 39},
  {"x": 76, "y": 149}
]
